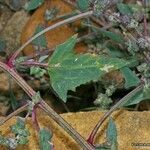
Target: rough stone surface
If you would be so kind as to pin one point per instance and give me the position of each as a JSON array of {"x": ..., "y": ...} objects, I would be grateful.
[
  {"x": 4, "y": 83},
  {"x": 13, "y": 29},
  {"x": 5, "y": 15},
  {"x": 133, "y": 127}
]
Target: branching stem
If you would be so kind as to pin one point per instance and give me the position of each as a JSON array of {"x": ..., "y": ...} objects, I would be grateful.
[
  {"x": 56, "y": 117},
  {"x": 19, "y": 110},
  {"x": 52, "y": 27}
]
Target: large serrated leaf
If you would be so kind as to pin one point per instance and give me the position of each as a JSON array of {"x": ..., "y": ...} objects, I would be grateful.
[
  {"x": 130, "y": 77},
  {"x": 68, "y": 70}
]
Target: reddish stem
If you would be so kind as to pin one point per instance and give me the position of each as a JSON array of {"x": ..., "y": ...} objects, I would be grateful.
[
  {"x": 56, "y": 117},
  {"x": 109, "y": 112},
  {"x": 34, "y": 119}
]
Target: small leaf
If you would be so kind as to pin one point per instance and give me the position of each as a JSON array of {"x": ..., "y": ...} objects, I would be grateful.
[
  {"x": 37, "y": 71},
  {"x": 20, "y": 131},
  {"x": 146, "y": 90},
  {"x": 115, "y": 52},
  {"x": 83, "y": 5},
  {"x": 131, "y": 79},
  {"x": 111, "y": 134},
  {"x": 124, "y": 9},
  {"x": 41, "y": 40},
  {"x": 51, "y": 13},
  {"x": 3, "y": 141},
  {"x": 115, "y": 37},
  {"x": 138, "y": 97},
  {"x": 45, "y": 138},
  {"x": 102, "y": 101},
  {"x": 33, "y": 4},
  {"x": 36, "y": 98},
  {"x": 68, "y": 70},
  {"x": 20, "y": 124}
]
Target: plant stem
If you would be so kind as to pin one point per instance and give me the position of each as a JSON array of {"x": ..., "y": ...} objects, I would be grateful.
[
  {"x": 52, "y": 27},
  {"x": 50, "y": 51},
  {"x": 33, "y": 63},
  {"x": 75, "y": 135},
  {"x": 109, "y": 112},
  {"x": 94, "y": 19},
  {"x": 19, "y": 110},
  {"x": 56, "y": 117},
  {"x": 34, "y": 119}
]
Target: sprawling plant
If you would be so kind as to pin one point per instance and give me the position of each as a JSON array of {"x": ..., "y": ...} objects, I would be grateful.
[{"x": 119, "y": 41}]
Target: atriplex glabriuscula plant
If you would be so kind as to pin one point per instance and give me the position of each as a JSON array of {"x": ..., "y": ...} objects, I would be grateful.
[{"x": 38, "y": 102}]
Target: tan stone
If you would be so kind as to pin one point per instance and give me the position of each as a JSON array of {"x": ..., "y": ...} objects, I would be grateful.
[
  {"x": 4, "y": 83},
  {"x": 133, "y": 127},
  {"x": 12, "y": 30}
]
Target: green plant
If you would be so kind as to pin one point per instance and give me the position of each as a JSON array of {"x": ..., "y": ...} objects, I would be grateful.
[{"x": 123, "y": 51}]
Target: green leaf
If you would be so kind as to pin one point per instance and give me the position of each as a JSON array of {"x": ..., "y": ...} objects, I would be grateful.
[
  {"x": 3, "y": 141},
  {"x": 114, "y": 51},
  {"x": 115, "y": 37},
  {"x": 83, "y": 5},
  {"x": 33, "y": 4},
  {"x": 20, "y": 124},
  {"x": 146, "y": 91},
  {"x": 50, "y": 14},
  {"x": 138, "y": 97},
  {"x": 111, "y": 134},
  {"x": 45, "y": 137},
  {"x": 41, "y": 40},
  {"x": 20, "y": 131},
  {"x": 130, "y": 77},
  {"x": 68, "y": 70},
  {"x": 37, "y": 71},
  {"x": 19, "y": 128},
  {"x": 124, "y": 9}
]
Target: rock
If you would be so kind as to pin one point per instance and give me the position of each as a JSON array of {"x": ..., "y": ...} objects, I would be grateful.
[
  {"x": 14, "y": 4},
  {"x": 133, "y": 127},
  {"x": 3, "y": 108},
  {"x": 5, "y": 15},
  {"x": 4, "y": 83},
  {"x": 13, "y": 28}
]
